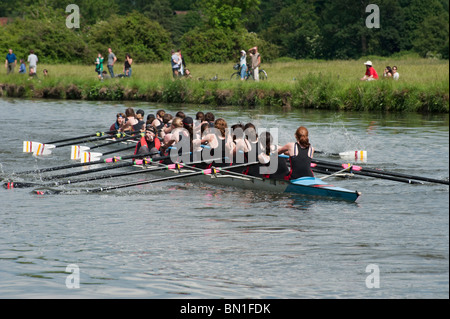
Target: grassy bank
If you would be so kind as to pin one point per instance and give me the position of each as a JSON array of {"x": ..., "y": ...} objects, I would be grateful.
[{"x": 423, "y": 85}]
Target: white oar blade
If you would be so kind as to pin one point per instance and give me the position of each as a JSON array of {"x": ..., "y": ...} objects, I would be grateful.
[
  {"x": 87, "y": 157},
  {"x": 354, "y": 155},
  {"x": 76, "y": 151},
  {"x": 29, "y": 146},
  {"x": 38, "y": 149}
]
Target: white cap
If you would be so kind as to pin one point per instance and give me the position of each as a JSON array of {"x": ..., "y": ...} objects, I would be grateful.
[
  {"x": 242, "y": 51},
  {"x": 368, "y": 63}
]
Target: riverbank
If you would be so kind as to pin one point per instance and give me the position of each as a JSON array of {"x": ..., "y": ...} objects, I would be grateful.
[{"x": 334, "y": 85}]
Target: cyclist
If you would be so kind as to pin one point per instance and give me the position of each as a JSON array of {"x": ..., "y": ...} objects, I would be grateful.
[{"x": 243, "y": 64}]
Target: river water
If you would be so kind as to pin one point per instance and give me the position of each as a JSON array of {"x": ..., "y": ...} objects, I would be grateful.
[{"x": 180, "y": 240}]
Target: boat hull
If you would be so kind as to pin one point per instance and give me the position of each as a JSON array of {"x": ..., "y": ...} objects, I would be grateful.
[{"x": 305, "y": 186}]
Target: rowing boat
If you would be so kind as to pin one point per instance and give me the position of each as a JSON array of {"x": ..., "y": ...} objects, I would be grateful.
[{"x": 305, "y": 186}]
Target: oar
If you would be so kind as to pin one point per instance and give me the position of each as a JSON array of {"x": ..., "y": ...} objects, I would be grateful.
[
  {"x": 405, "y": 178},
  {"x": 103, "y": 161},
  {"x": 357, "y": 155},
  {"x": 338, "y": 172},
  {"x": 45, "y": 148},
  {"x": 102, "y": 189},
  {"x": 11, "y": 185}
]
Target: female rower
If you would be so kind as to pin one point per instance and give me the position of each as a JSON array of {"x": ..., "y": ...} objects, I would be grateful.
[
  {"x": 271, "y": 165},
  {"x": 241, "y": 147},
  {"x": 130, "y": 120},
  {"x": 158, "y": 121},
  {"x": 253, "y": 149},
  {"x": 300, "y": 155},
  {"x": 220, "y": 144}
]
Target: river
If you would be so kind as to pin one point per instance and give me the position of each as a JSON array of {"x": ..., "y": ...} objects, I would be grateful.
[{"x": 180, "y": 240}]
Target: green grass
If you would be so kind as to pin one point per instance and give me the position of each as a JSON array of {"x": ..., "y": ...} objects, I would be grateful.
[{"x": 423, "y": 85}]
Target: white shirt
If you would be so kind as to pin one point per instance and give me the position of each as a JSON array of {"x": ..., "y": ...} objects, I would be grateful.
[
  {"x": 32, "y": 59},
  {"x": 396, "y": 76}
]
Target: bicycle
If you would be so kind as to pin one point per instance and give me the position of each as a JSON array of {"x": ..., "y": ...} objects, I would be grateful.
[{"x": 248, "y": 74}]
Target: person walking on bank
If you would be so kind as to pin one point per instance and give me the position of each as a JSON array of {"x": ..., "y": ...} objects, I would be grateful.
[
  {"x": 111, "y": 60},
  {"x": 256, "y": 62},
  {"x": 10, "y": 62},
  {"x": 32, "y": 61}
]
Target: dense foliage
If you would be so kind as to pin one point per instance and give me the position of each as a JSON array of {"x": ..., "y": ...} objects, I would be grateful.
[{"x": 215, "y": 30}]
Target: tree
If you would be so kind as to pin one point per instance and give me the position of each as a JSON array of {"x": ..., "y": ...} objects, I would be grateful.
[
  {"x": 229, "y": 14},
  {"x": 295, "y": 30},
  {"x": 145, "y": 40},
  {"x": 432, "y": 36}
]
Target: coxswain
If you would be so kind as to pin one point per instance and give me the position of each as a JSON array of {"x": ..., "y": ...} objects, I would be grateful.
[{"x": 300, "y": 155}]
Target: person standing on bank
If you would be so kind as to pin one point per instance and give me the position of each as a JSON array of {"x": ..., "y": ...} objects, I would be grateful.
[
  {"x": 127, "y": 65},
  {"x": 32, "y": 61},
  {"x": 256, "y": 62},
  {"x": 111, "y": 60},
  {"x": 10, "y": 62},
  {"x": 176, "y": 63},
  {"x": 99, "y": 65},
  {"x": 243, "y": 63}
]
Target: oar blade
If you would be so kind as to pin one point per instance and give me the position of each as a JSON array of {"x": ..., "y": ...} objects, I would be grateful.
[
  {"x": 87, "y": 157},
  {"x": 76, "y": 152},
  {"x": 38, "y": 149},
  {"x": 354, "y": 155}
]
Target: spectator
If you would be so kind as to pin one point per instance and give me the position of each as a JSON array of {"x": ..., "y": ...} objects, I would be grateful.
[
  {"x": 176, "y": 63},
  {"x": 370, "y": 74},
  {"x": 10, "y": 62},
  {"x": 396, "y": 74},
  {"x": 256, "y": 62},
  {"x": 127, "y": 65},
  {"x": 23, "y": 68},
  {"x": 111, "y": 60},
  {"x": 99, "y": 65},
  {"x": 32, "y": 60},
  {"x": 387, "y": 72}
]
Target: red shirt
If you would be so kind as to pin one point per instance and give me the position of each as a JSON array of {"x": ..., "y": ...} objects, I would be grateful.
[{"x": 371, "y": 71}]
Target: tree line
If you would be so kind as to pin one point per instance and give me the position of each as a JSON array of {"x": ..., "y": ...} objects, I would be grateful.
[{"x": 216, "y": 30}]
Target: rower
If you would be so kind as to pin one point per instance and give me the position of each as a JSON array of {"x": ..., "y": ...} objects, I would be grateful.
[
  {"x": 149, "y": 143},
  {"x": 300, "y": 155},
  {"x": 120, "y": 121},
  {"x": 130, "y": 120},
  {"x": 220, "y": 145},
  {"x": 271, "y": 165},
  {"x": 253, "y": 149},
  {"x": 158, "y": 121}
]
